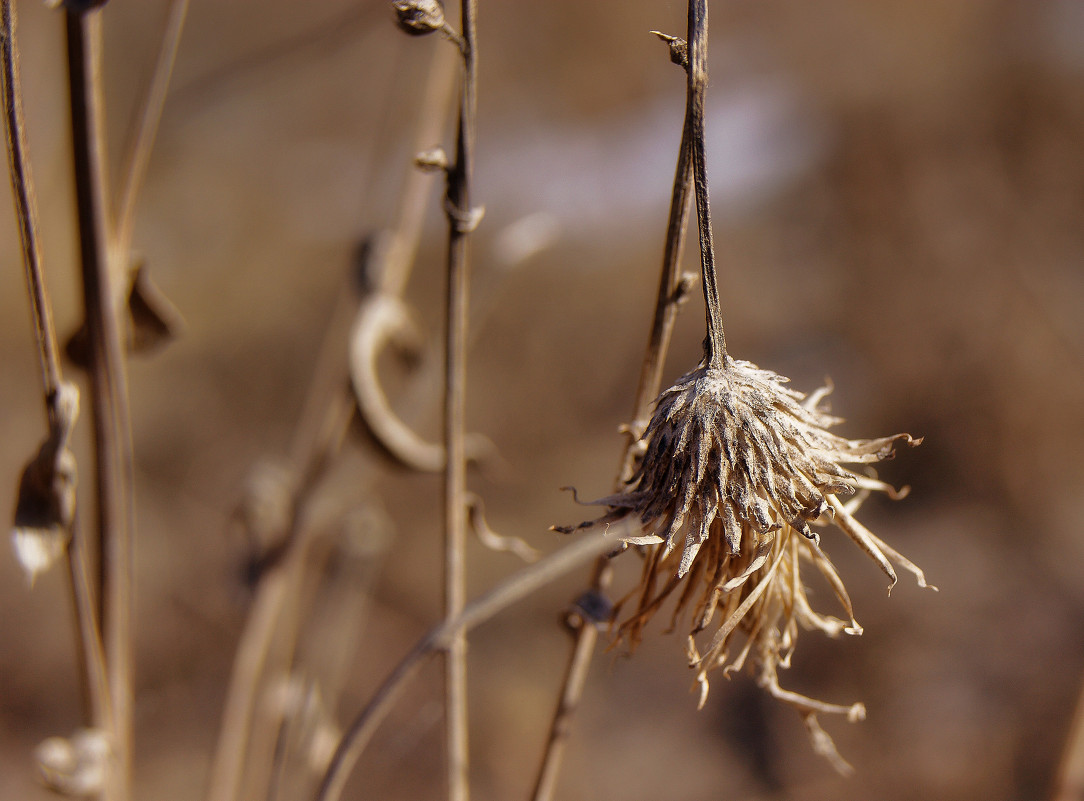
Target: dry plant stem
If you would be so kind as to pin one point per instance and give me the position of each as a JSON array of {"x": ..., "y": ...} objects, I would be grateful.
[
  {"x": 95, "y": 675},
  {"x": 508, "y": 592},
  {"x": 662, "y": 327},
  {"x": 715, "y": 346},
  {"x": 410, "y": 213},
  {"x": 326, "y": 412},
  {"x": 150, "y": 114},
  {"x": 88, "y": 637},
  {"x": 460, "y": 223},
  {"x": 112, "y": 432},
  {"x": 278, "y": 585},
  {"x": 25, "y": 205}
]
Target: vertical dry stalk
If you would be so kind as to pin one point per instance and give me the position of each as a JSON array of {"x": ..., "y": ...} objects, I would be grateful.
[
  {"x": 57, "y": 392},
  {"x": 672, "y": 290},
  {"x": 461, "y": 221},
  {"x": 715, "y": 347},
  {"x": 109, "y": 391}
]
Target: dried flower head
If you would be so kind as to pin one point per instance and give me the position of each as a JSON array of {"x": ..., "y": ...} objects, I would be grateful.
[{"x": 736, "y": 472}]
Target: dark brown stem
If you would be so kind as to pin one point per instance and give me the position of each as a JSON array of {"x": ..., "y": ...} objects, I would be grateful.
[
  {"x": 508, "y": 592},
  {"x": 461, "y": 220},
  {"x": 715, "y": 345},
  {"x": 112, "y": 432},
  {"x": 662, "y": 326}
]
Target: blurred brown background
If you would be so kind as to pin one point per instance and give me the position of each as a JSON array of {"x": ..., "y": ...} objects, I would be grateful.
[{"x": 899, "y": 196}]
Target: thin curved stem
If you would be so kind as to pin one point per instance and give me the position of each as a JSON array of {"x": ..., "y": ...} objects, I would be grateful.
[
  {"x": 150, "y": 114},
  {"x": 22, "y": 186},
  {"x": 508, "y": 592}
]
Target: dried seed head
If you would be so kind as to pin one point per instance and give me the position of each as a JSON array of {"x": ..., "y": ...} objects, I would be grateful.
[
  {"x": 76, "y": 765},
  {"x": 419, "y": 17},
  {"x": 736, "y": 469}
]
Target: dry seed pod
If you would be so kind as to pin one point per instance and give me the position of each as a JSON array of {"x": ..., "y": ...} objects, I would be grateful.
[
  {"x": 419, "y": 17},
  {"x": 46, "y": 501}
]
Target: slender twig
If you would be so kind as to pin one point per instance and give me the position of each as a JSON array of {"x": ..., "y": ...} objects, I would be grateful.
[
  {"x": 112, "y": 432},
  {"x": 88, "y": 636},
  {"x": 461, "y": 219},
  {"x": 22, "y": 186},
  {"x": 672, "y": 289},
  {"x": 95, "y": 674},
  {"x": 508, "y": 592},
  {"x": 150, "y": 114}
]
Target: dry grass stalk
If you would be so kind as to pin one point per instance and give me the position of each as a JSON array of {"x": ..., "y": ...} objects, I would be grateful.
[
  {"x": 108, "y": 379},
  {"x": 462, "y": 220},
  {"x": 44, "y": 526}
]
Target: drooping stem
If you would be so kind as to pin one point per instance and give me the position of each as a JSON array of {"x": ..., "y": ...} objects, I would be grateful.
[
  {"x": 461, "y": 221},
  {"x": 109, "y": 391},
  {"x": 715, "y": 344},
  {"x": 670, "y": 293}
]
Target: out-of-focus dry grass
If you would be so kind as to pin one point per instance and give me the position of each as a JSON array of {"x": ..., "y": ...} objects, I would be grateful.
[{"x": 900, "y": 189}]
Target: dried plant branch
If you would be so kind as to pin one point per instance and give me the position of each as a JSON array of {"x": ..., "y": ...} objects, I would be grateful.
[
  {"x": 462, "y": 219},
  {"x": 383, "y": 315},
  {"x": 22, "y": 186},
  {"x": 278, "y": 586},
  {"x": 109, "y": 391},
  {"x": 508, "y": 592},
  {"x": 138, "y": 153},
  {"x": 61, "y": 398},
  {"x": 673, "y": 288},
  {"x": 319, "y": 434}
]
